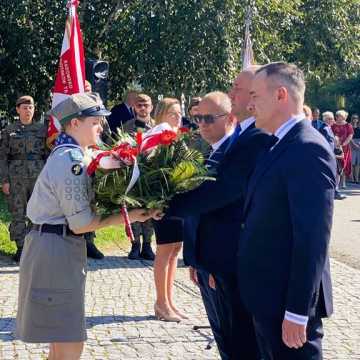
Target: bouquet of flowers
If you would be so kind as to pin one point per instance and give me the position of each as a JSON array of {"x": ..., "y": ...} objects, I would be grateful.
[{"x": 146, "y": 170}]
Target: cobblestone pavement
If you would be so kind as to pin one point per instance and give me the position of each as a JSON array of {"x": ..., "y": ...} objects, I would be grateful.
[
  {"x": 119, "y": 308},
  {"x": 345, "y": 239}
]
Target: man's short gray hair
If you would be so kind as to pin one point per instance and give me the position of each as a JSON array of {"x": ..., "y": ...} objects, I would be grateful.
[
  {"x": 220, "y": 99},
  {"x": 289, "y": 76}
]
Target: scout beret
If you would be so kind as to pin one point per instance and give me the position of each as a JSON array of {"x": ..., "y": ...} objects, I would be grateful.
[{"x": 79, "y": 105}]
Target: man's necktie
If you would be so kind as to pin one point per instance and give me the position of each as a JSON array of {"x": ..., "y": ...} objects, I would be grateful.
[
  {"x": 234, "y": 137},
  {"x": 237, "y": 130},
  {"x": 213, "y": 158},
  {"x": 273, "y": 141}
]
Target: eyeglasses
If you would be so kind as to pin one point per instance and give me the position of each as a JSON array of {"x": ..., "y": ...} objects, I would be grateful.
[{"x": 207, "y": 119}]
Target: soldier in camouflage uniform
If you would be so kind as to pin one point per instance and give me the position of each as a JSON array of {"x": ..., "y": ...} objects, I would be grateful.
[
  {"x": 22, "y": 156},
  {"x": 142, "y": 122}
]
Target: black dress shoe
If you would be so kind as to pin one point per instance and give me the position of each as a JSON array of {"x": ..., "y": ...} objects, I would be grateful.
[
  {"x": 93, "y": 252},
  {"x": 16, "y": 257},
  {"x": 134, "y": 253},
  {"x": 147, "y": 252}
]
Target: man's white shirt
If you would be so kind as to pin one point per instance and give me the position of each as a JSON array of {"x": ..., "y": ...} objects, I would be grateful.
[
  {"x": 246, "y": 123},
  {"x": 280, "y": 133},
  {"x": 217, "y": 145}
]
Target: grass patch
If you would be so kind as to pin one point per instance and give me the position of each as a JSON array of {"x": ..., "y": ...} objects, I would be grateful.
[
  {"x": 105, "y": 238},
  {"x": 7, "y": 247}
]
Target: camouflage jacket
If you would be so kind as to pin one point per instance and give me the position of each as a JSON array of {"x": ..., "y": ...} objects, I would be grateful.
[
  {"x": 22, "y": 150},
  {"x": 133, "y": 125}
]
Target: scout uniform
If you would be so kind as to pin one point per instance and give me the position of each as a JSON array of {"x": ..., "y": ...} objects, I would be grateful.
[{"x": 53, "y": 264}]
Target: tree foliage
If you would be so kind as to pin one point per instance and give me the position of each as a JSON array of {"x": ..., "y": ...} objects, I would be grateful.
[{"x": 170, "y": 46}]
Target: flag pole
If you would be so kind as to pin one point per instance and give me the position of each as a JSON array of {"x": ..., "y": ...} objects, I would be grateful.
[{"x": 247, "y": 58}]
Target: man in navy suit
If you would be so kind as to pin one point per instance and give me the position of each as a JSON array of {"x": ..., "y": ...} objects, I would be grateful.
[
  {"x": 123, "y": 112},
  {"x": 283, "y": 264},
  {"x": 325, "y": 130},
  {"x": 215, "y": 130},
  {"x": 220, "y": 204}
]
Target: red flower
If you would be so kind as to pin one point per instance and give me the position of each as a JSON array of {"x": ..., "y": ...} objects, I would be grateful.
[
  {"x": 167, "y": 137},
  {"x": 184, "y": 130},
  {"x": 125, "y": 152}
]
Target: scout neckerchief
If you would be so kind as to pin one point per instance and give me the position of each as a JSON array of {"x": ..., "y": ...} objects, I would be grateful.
[{"x": 65, "y": 140}]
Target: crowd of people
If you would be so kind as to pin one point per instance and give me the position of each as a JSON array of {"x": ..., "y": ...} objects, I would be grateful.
[
  {"x": 253, "y": 239},
  {"x": 343, "y": 137}
]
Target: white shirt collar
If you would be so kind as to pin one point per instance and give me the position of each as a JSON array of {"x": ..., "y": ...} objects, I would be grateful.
[
  {"x": 246, "y": 123},
  {"x": 287, "y": 126},
  {"x": 216, "y": 146}
]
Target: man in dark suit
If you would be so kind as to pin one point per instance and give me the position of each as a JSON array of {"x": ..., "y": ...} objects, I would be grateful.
[
  {"x": 216, "y": 132},
  {"x": 220, "y": 204},
  {"x": 325, "y": 130},
  {"x": 283, "y": 264},
  {"x": 123, "y": 112}
]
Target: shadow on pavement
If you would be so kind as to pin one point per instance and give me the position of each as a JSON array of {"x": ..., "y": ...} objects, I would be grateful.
[
  {"x": 350, "y": 192},
  {"x": 6, "y": 261},
  {"x": 117, "y": 262},
  {"x": 7, "y": 329},
  {"x": 7, "y": 272},
  {"x": 7, "y": 324},
  {"x": 122, "y": 262},
  {"x": 92, "y": 321}
]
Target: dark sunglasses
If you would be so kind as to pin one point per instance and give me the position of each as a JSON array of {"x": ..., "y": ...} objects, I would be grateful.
[{"x": 207, "y": 119}]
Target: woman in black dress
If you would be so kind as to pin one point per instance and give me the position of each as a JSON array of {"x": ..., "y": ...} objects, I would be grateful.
[{"x": 168, "y": 232}]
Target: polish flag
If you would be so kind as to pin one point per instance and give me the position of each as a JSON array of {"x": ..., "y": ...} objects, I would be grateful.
[{"x": 70, "y": 77}]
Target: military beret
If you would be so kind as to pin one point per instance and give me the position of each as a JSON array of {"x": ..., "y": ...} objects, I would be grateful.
[
  {"x": 26, "y": 99},
  {"x": 79, "y": 105}
]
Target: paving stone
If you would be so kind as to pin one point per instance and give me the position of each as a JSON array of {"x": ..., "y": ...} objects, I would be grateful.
[{"x": 120, "y": 322}]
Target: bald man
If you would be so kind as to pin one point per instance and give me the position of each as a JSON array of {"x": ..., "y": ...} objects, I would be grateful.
[
  {"x": 219, "y": 205},
  {"x": 216, "y": 128}
]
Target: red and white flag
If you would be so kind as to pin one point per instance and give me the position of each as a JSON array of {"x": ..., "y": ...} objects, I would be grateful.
[{"x": 70, "y": 77}]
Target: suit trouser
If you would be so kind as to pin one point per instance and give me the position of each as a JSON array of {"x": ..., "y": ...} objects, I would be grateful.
[
  {"x": 209, "y": 299},
  {"x": 269, "y": 335},
  {"x": 235, "y": 322}
]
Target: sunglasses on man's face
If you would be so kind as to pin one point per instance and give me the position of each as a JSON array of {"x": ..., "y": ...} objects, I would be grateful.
[{"x": 207, "y": 119}]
